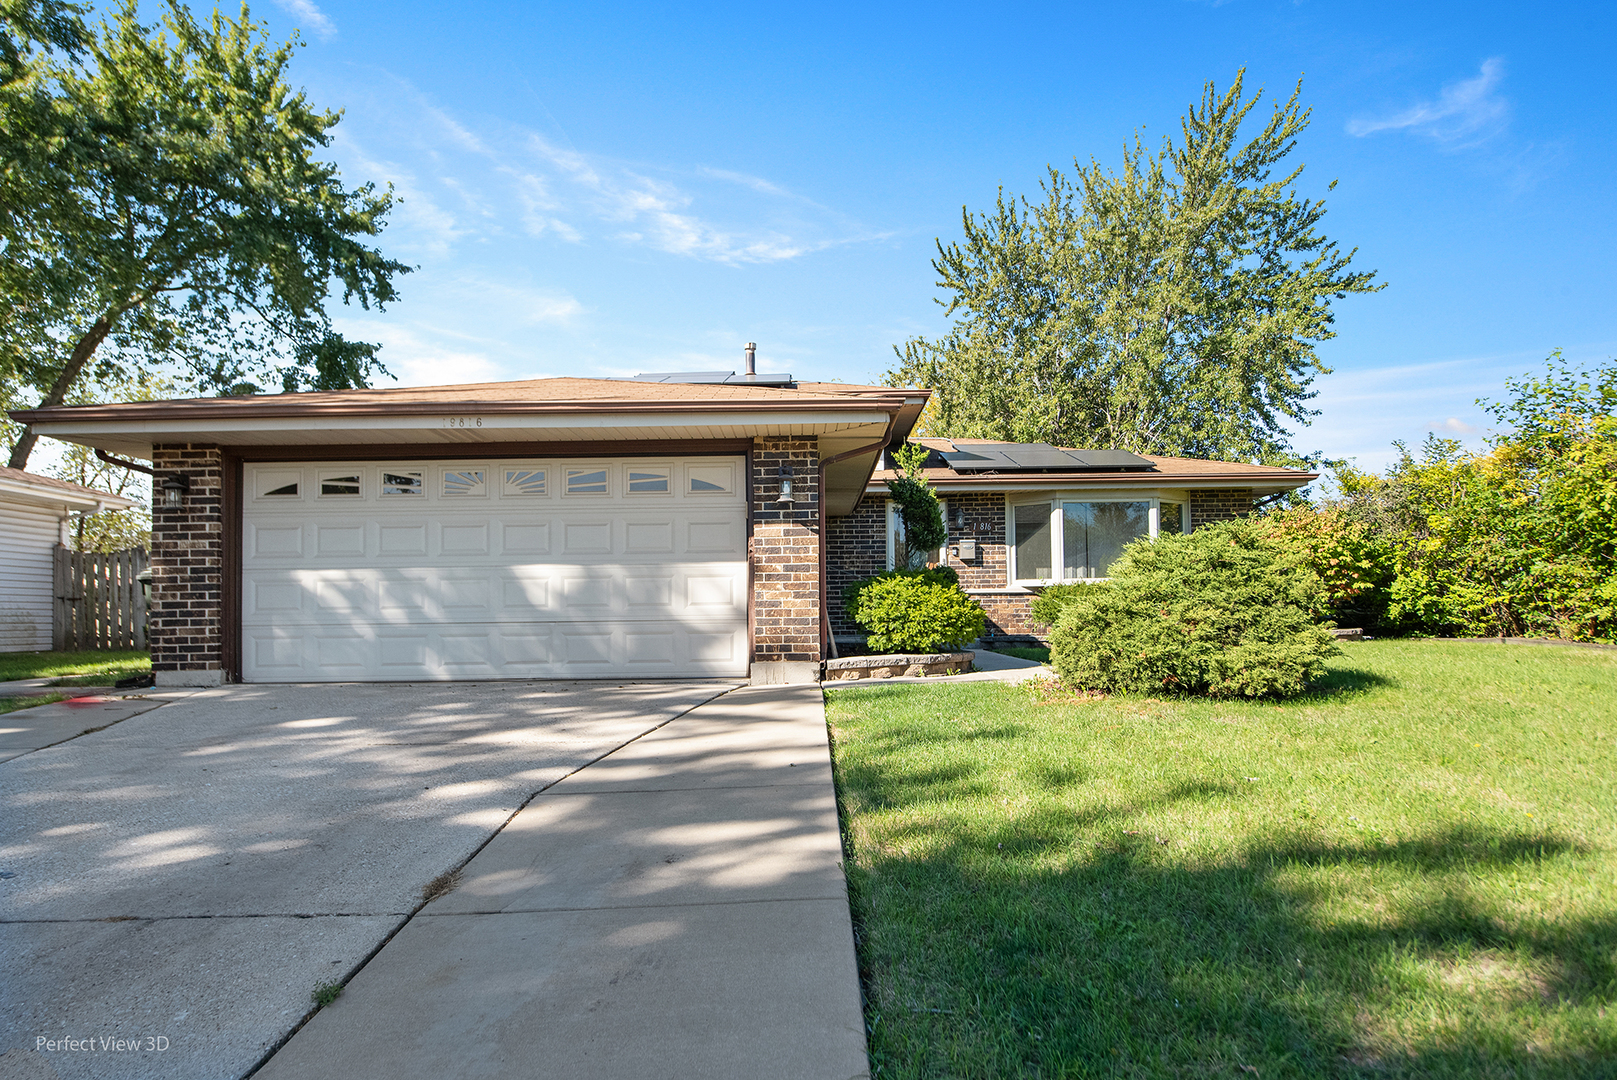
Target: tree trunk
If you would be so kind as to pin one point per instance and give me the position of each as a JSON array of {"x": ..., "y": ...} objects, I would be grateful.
[{"x": 80, "y": 356}]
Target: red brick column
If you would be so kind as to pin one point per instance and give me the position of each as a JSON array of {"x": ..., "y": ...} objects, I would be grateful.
[
  {"x": 1213, "y": 505},
  {"x": 785, "y": 551},
  {"x": 187, "y": 569}
]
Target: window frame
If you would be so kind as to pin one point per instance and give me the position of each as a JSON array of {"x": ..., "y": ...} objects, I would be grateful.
[
  {"x": 1053, "y": 502},
  {"x": 894, "y": 520}
]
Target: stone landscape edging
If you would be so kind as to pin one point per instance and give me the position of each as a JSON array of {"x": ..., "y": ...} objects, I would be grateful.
[{"x": 892, "y": 665}]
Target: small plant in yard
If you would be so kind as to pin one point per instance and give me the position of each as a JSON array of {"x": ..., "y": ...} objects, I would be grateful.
[
  {"x": 1220, "y": 612},
  {"x": 914, "y": 611},
  {"x": 325, "y": 993}
]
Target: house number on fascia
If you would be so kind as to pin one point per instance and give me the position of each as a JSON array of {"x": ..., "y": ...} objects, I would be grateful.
[{"x": 463, "y": 421}]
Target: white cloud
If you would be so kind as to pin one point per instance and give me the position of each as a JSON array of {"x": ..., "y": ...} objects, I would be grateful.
[
  {"x": 1455, "y": 426},
  {"x": 1465, "y": 112},
  {"x": 314, "y": 20},
  {"x": 503, "y": 179}
]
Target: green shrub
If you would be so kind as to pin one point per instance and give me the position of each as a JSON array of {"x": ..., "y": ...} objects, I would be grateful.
[
  {"x": 1222, "y": 612},
  {"x": 1354, "y": 561},
  {"x": 924, "y": 529},
  {"x": 1053, "y": 600},
  {"x": 932, "y": 575},
  {"x": 1519, "y": 538},
  {"x": 915, "y": 611}
]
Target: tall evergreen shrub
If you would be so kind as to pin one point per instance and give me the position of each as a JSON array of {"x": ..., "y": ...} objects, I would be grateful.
[{"x": 1222, "y": 612}]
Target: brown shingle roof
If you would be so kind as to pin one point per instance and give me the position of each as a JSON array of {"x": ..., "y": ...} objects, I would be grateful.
[{"x": 524, "y": 395}]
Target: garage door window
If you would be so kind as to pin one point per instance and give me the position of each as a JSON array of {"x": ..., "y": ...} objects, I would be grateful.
[
  {"x": 402, "y": 483},
  {"x": 339, "y": 485},
  {"x": 648, "y": 481},
  {"x": 464, "y": 483},
  {"x": 279, "y": 485},
  {"x": 710, "y": 479},
  {"x": 524, "y": 481},
  {"x": 586, "y": 481}
]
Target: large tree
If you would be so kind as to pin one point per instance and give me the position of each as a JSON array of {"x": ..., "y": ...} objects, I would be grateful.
[
  {"x": 1169, "y": 308},
  {"x": 162, "y": 203}
]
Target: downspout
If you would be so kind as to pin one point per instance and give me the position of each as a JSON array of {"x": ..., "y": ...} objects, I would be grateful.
[
  {"x": 122, "y": 464},
  {"x": 827, "y": 639}
]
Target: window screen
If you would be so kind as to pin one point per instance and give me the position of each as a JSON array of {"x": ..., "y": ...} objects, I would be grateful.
[{"x": 1032, "y": 532}]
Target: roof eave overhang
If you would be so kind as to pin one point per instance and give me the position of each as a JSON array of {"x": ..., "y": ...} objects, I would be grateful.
[
  {"x": 69, "y": 501},
  {"x": 444, "y": 425},
  {"x": 1264, "y": 484}
]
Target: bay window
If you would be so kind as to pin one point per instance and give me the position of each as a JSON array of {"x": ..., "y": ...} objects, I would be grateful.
[{"x": 1079, "y": 539}]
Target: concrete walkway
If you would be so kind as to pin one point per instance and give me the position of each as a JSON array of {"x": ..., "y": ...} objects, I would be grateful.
[
  {"x": 677, "y": 909},
  {"x": 26, "y": 730}
]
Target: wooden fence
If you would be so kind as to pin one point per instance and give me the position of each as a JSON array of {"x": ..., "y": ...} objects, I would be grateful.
[{"x": 100, "y": 601}]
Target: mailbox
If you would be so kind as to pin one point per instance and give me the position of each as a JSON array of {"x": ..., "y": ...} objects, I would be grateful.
[{"x": 967, "y": 550}]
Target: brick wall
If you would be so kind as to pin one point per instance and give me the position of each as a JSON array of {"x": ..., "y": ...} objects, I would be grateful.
[
  {"x": 1207, "y": 507},
  {"x": 187, "y": 566},
  {"x": 1009, "y": 618},
  {"x": 856, "y": 547},
  {"x": 786, "y": 552},
  {"x": 985, "y": 523}
]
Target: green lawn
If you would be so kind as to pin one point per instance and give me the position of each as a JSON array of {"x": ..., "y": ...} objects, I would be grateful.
[
  {"x": 1026, "y": 652},
  {"x": 1411, "y": 873},
  {"x": 105, "y": 667},
  {"x": 12, "y": 704}
]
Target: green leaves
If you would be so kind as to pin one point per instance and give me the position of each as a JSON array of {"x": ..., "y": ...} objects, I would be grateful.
[
  {"x": 166, "y": 205},
  {"x": 1220, "y": 611},
  {"x": 1518, "y": 539},
  {"x": 924, "y": 529},
  {"x": 914, "y": 611},
  {"x": 1169, "y": 308}
]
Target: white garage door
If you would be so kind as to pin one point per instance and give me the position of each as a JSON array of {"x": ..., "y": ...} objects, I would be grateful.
[{"x": 494, "y": 570}]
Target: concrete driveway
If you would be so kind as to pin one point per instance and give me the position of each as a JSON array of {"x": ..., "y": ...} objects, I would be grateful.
[{"x": 183, "y": 879}]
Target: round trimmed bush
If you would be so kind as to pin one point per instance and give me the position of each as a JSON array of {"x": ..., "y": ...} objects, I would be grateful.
[
  {"x": 915, "y": 611},
  {"x": 1222, "y": 612}
]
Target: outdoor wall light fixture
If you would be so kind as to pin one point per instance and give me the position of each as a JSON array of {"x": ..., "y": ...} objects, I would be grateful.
[
  {"x": 960, "y": 519},
  {"x": 785, "y": 484},
  {"x": 174, "y": 486}
]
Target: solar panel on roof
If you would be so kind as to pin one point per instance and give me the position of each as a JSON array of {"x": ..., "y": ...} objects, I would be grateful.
[
  {"x": 1038, "y": 457},
  {"x": 712, "y": 378},
  {"x": 1113, "y": 459}
]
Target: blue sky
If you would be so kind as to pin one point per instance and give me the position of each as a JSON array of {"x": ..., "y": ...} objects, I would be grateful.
[{"x": 596, "y": 190}]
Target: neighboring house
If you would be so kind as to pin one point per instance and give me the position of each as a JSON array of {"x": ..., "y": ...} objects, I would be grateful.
[
  {"x": 554, "y": 528},
  {"x": 35, "y": 516},
  {"x": 1025, "y": 515}
]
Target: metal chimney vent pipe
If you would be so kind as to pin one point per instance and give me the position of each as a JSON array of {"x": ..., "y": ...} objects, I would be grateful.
[{"x": 752, "y": 359}]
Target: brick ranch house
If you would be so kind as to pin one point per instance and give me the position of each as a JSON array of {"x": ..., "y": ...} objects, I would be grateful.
[
  {"x": 666, "y": 526},
  {"x": 1022, "y": 516}
]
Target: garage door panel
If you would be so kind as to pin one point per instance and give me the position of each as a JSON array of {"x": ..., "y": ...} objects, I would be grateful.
[
  {"x": 524, "y": 538},
  {"x": 339, "y": 540},
  {"x": 463, "y": 539},
  {"x": 403, "y": 540},
  {"x": 285, "y": 542},
  {"x": 469, "y": 574},
  {"x": 710, "y": 536}
]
